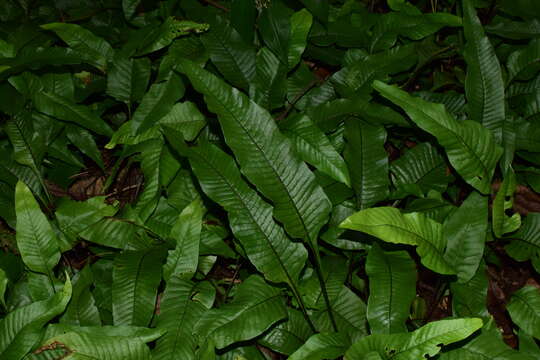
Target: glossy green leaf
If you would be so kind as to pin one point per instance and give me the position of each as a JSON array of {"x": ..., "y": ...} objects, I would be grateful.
[
  {"x": 232, "y": 56},
  {"x": 20, "y": 330},
  {"x": 419, "y": 170},
  {"x": 322, "y": 346},
  {"x": 66, "y": 110},
  {"x": 288, "y": 336},
  {"x": 502, "y": 223},
  {"x": 517, "y": 30},
  {"x": 300, "y": 25},
  {"x": 254, "y": 309},
  {"x": 134, "y": 290},
  {"x": 524, "y": 309},
  {"x": 250, "y": 218},
  {"x": 82, "y": 309},
  {"x": 466, "y": 230},
  {"x": 313, "y": 146},
  {"x": 268, "y": 88},
  {"x": 392, "y": 280},
  {"x": 523, "y": 63},
  {"x": 470, "y": 148},
  {"x": 469, "y": 299},
  {"x": 128, "y": 78},
  {"x": 484, "y": 84},
  {"x": 367, "y": 161},
  {"x": 186, "y": 232},
  {"x": 525, "y": 243},
  {"x": 91, "y": 47},
  {"x": 36, "y": 239},
  {"x": 266, "y": 157},
  {"x": 179, "y": 312},
  {"x": 389, "y": 224},
  {"x": 417, "y": 344}
]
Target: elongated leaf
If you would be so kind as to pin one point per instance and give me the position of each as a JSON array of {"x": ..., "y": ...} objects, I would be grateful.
[
  {"x": 417, "y": 344},
  {"x": 471, "y": 149},
  {"x": 254, "y": 309},
  {"x": 502, "y": 223},
  {"x": 275, "y": 27},
  {"x": 389, "y": 224},
  {"x": 357, "y": 77},
  {"x": 82, "y": 309},
  {"x": 136, "y": 276},
  {"x": 36, "y": 239},
  {"x": 85, "y": 142},
  {"x": 314, "y": 147},
  {"x": 469, "y": 299},
  {"x": 250, "y": 218},
  {"x": 524, "y": 308},
  {"x": 20, "y": 330},
  {"x": 367, "y": 161},
  {"x": 66, "y": 110},
  {"x": 234, "y": 58},
  {"x": 269, "y": 86},
  {"x": 179, "y": 312},
  {"x": 419, "y": 170},
  {"x": 186, "y": 232},
  {"x": 128, "y": 78},
  {"x": 466, "y": 231},
  {"x": 322, "y": 346},
  {"x": 517, "y": 30},
  {"x": 392, "y": 280},
  {"x": 28, "y": 145},
  {"x": 300, "y": 25},
  {"x": 526, "y": 242},
  {"x": 288, "y": 336},
  {"x": 89, "y": 346},
  {"x": 523, "y": 63},
  {"x": 488, "y": 345},
  {"x": 92, "y": 48},
  {"x": 484, "y": 84},
  {"x": 266, "y": 157}
]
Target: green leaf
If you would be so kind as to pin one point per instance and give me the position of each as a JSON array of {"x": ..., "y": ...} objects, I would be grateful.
[
  {"x": 36, "y": 239},
  {"x": 300, "y": 26},
  {"x": 186, "y": 232},
  {"x": 275, "y": 28},
  {"x": 136, "y": 277},
  {"x": 265, "y": 156},
  {"x": 66, "y": 110},
  {"x": 3, "y": 286},
  {"x": 523, "y": 63},
  {"x": 95, "y": 345},
  {"x": 254, "y": 309},
  {"x": 419, "y": 170},
  {"x": 488, "y": 345},
  {"x": 390, "y": 225},
  {"x": 20, "y": 330},
  {"x": 268, "y": 88},
  {"x": 128, "y": 78},
  {"x": 484, "y": 84},
  {"x": 179, "y": 312},
  {"x": 82, "y": 309},
  {"x": 525, "y": 243},
  {"x": 130, "y": 7},
  {"x": 417, "y": 344},
  {"x": 322, "y": 346},
  {"x": 469, "y": 299},
  {"x": 139, "y": 333},
  {"x": 392, "y": 285},
  {"x": 232, "y": 56},
  {"x": 466, "y": 230},
  {"x": 502, "y": 223},
  {"x": 250, "y": 218},
  {"x": 524, "y": 309},
  {"x": 516, "y": 30},
  {"x": 367, "y": 161},
  {"x": 74, "y": 217},
  {"x": 356, "y": 78},
  {"x": 288, "y": 336},
  {"x": 470, "y": 147},
  {"x": 92, "y": 48},
  {"x": 313, "y": 146}
]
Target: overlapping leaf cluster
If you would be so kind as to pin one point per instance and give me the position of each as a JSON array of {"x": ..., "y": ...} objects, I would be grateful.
[{"x": 302, "y": 162}]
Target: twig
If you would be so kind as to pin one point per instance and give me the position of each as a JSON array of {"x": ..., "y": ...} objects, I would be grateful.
[{"x": 216, "y": 5}]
